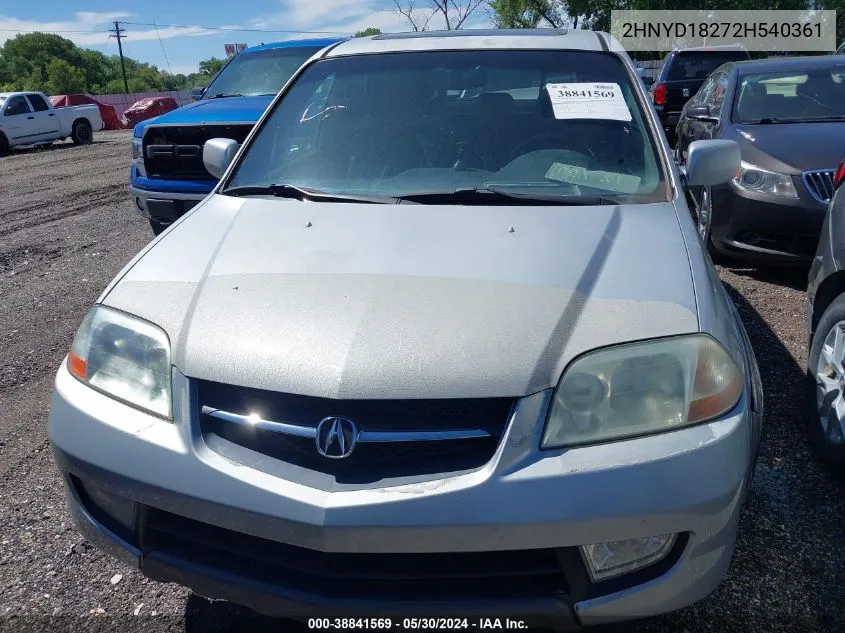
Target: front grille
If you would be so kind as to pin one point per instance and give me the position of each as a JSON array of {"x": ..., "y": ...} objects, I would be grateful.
[
  {"x": 820, "y": 184},
  {"x": 446, "y": 576},
  {"x": 175, "y": 152},
  {"x": 369, "y": 462}
]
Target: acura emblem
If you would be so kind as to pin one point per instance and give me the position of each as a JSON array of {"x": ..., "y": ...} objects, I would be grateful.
[{"x": 336, "y": 437}]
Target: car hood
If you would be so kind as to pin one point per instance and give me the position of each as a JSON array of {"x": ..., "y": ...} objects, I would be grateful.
[
  {"x": 209, "y": 111},
  {"x": 792, "y": 148},
  {"x": 407, "y": 301}
]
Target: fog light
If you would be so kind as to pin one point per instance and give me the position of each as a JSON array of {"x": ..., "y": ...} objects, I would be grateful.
[{"x": 614, "y": 558}]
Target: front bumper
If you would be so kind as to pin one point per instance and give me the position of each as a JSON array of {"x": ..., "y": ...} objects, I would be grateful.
[
  {"x": 163, "y": 206},
  {"x": 691, "y": 482},
  {"x": 165, "y": 200},
  {"x": 765, "y": 228}
]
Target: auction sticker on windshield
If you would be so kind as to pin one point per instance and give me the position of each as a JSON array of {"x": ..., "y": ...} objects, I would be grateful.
[{"x": 588, "y": 101}]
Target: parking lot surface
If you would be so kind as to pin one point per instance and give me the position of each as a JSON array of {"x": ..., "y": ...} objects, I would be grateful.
[{"x": 67, "y": 227}]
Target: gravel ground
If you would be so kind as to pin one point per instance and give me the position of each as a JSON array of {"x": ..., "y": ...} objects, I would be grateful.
[{"x": 63, "y": 237}]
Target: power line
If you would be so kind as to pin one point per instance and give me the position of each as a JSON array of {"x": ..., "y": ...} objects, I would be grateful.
[{"x": 170, "y": 70}]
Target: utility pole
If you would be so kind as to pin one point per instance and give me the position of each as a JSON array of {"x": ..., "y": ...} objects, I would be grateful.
[{"x": 117, "y": 33}]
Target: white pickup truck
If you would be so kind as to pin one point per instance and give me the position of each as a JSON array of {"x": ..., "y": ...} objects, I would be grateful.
[{"x": 28, "y": 118}]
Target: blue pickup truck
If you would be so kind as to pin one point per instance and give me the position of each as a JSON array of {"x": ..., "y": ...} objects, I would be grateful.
[{"x": 167, "y": 175}]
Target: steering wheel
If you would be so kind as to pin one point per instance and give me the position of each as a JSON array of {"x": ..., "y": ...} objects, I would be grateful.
[
  {"x": 548, "y": 141},
  {"x": 420, "y": 149}
]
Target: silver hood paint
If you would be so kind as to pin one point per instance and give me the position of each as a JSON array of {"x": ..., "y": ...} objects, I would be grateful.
[{"x": 407, "y": 301}]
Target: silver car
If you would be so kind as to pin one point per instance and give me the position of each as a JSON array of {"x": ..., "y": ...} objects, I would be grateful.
[{"x": 443, "y": 342}]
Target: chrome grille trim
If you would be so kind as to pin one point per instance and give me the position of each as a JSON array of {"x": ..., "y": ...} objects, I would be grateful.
[
  {"x": 819, "y": 183},
  {"x": 363, "y": 436}
]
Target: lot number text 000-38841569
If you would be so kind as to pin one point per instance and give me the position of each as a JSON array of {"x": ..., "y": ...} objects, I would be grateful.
[{"x": 413, "y": 624}]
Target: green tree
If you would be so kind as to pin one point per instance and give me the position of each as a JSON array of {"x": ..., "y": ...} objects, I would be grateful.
[
  {"x": 595, "y": 14},
  {"x": 173, "y": 82},
  {"x": 62, "y": 78},
  {"x": 839, "y": 7},
  {"x": 523, "y": 14},
  {"x": 98, "y": 68},
  {"x": 368, "y": 32},
  {"x": 27, "y": 56},
  {"x": 211, "y": 66}
]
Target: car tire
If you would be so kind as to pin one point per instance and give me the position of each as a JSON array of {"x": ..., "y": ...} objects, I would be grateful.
[
  {"x": 702, "y": 208},
  {"x": 4, "y": 146},
  {"x": 826, "y": 387},
  {"x": 82, "y": 134},
  {"x": 158, "y": 227}
]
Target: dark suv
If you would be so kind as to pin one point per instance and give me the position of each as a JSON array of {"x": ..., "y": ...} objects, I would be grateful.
[{"x": 682, "y": 74}]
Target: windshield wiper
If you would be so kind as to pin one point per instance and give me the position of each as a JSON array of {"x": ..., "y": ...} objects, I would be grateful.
[
  {"x": 300, "y": 193},
  {"x": 769, "y": 120},
  {"x": 772, "y": 120},
  {"x": 223, "y": 95},
  {"x": 821, "y": 119},
  {"x": 496, "y": 195}
]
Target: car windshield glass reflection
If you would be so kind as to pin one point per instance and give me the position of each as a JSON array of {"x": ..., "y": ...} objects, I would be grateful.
[
  {"x": 688, "y": 66},
  {"x": 259, "y": 73},
  {"x": 791, "y": 96},
  {"x": 446, "y": 122}
]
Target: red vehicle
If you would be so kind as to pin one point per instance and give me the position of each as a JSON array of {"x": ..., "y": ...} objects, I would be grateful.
[
  {"x": 147, "y": 109},
  {"x": 107, "y": 113}
]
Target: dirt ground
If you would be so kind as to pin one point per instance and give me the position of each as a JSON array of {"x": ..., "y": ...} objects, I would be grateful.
[{"x": 67, "y": 227}]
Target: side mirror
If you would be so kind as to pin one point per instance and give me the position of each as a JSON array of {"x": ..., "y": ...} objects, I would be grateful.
[
  {"x": 197, "y": 93},
  {"x": 701, "y": 113},
  {"x": 711, "y": 162},
  {"x": 217, "y": 155},
  {"x": 648, "y": 81}
]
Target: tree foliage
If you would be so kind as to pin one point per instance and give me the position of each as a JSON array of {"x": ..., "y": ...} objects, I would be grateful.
[
  {"x": 62, "y": 78},
  {"x": 211, "y": 66},
  {"x": 595, "y": 14},
  {"x": 368, "y": 32},
  {"x": 52, "y": 64}
]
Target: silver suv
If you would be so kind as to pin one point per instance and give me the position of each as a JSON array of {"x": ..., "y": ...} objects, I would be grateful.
[{"x": 443, "y": 341}]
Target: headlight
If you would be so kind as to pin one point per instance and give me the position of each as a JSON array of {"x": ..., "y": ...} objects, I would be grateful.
[
  {"x": 642, "y": 388},
  {"x": 138, "y": 156},
  {"x": 124, "y": 357},
  {"x": 752, "y": 178}
]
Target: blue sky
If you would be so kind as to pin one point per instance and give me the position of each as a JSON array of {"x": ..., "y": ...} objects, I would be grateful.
[{"x": 185, "y": 44}]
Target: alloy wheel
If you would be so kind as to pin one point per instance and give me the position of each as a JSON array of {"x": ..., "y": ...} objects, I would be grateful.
[
  {"x": 830, "y": 385},
  {"x": 704, "y": 214}
]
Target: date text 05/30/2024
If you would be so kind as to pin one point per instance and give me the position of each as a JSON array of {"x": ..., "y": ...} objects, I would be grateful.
[{"x": 412, "y": 624}]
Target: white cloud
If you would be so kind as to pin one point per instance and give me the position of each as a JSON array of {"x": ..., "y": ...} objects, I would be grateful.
[
  {"x": 305, "y": 13},
  {"x": 91, "y": 28},
  {"x": 350, "y": 16}
]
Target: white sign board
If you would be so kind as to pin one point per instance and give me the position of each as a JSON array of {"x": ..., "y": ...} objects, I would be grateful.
[{"x": 588, "y": 101}]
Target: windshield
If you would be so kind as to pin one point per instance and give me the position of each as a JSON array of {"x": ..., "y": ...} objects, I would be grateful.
[
  {"x": 562, "y": 123},
  {"x": 262, "y": 72},
  {"x": 794, "y": 95},
  {"x": 690, "y": 66}
]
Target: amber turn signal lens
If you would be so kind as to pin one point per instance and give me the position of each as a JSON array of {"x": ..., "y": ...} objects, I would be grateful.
[
  {"x": 717, "y": 404},
  {"x": 77, "y": 366}
]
